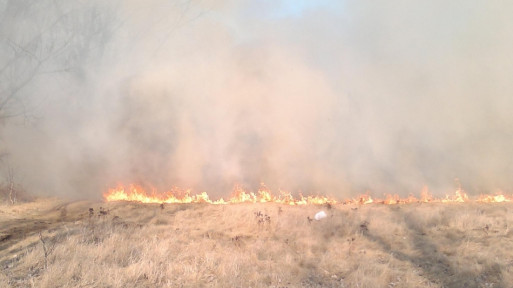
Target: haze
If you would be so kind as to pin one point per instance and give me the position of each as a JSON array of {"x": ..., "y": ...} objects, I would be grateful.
[{"x": 337, "y": 98}]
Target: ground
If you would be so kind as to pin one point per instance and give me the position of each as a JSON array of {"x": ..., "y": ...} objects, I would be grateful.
[{"x": 55, "y": 243}]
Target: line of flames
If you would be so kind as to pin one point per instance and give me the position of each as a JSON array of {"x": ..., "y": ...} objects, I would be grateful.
[{"x": 264, "y": 195}]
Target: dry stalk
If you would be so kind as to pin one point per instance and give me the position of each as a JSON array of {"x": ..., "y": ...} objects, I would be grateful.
[
  {"x": 44, "y": 249},
  {"x": 12, "y": 191},
  {"x": 12, "y": 194}
]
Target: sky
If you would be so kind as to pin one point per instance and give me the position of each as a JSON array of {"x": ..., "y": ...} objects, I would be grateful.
[
  {"x": 287, "y": 8},
  {"x": 325, "y": 97}
]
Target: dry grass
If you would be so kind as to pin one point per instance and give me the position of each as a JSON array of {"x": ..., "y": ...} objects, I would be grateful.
[{"x": 136, "y": 245}]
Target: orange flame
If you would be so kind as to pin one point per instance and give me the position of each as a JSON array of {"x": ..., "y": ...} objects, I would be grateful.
[
  {"x": 459, "y": 196},
  {"x": 497, "y": 198},
  {"x": 425, "y": 196},
  {"x": 264, "y": 195},
  {"x": 239, "y": 195}
]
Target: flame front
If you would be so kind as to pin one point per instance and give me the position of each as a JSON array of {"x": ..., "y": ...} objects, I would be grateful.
[
  {"x": 239, "y": 195},
  {"x": 264, "y": 195}
]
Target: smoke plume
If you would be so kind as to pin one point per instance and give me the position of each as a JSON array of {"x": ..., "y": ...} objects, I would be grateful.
[{"x": 336, "y": 97}]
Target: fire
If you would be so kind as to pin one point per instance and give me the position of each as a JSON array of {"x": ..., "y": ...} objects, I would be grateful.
[
  {"x": 264, "y": 195},
  {"x": 425, "y": 196},
  {"x": 363, "y": 199},
  {"x": 498, "y": 198},
  {"x": 239, "y": 195}
]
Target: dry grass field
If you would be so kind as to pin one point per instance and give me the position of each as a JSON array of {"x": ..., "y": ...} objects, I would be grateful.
[{"x": 127, "y": 244}]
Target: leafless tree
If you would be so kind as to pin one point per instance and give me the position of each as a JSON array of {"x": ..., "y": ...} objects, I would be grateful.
[
  {"x": 42, "y": 37},
  {"x": 42, "y": 40}
]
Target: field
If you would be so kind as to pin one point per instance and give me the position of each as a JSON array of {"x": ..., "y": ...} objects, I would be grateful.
[{"x": 54, "y": 243}]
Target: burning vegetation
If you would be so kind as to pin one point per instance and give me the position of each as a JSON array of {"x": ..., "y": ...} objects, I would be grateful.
[{"x": 137, "y": 193}]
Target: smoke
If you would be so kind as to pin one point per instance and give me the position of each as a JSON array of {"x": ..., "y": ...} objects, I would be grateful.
[{"x": 336, "y": 98}]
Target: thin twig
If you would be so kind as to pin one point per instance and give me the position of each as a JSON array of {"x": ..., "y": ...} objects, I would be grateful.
[{"x": 44, "y": 249}]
